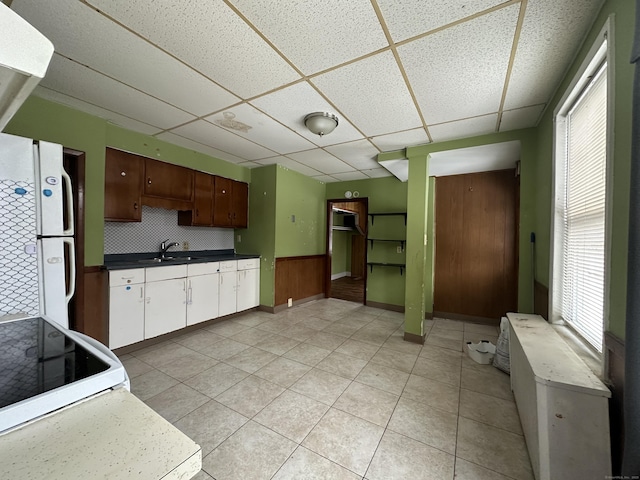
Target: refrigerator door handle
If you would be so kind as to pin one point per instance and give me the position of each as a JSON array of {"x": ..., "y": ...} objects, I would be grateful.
[
  {"x": 69, "y": 194},
  {"x": 72, "y": 269}
]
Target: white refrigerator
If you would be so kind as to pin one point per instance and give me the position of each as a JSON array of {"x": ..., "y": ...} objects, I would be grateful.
[{"x": 37, "y": 262}]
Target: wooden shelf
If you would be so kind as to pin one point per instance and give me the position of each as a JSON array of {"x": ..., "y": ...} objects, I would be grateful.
[
  {"x": 401, "y": 242},
  {"x": 401, "y": 266},
  {"x": 388, "y": 214}
]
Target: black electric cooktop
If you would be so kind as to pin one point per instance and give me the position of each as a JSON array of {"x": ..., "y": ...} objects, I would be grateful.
[{"x": 36, "y": 356}]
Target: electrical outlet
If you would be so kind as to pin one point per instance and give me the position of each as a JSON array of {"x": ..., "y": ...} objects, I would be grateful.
[
  {"x": 293, "y": 218},
  {"x": 239, "y": 238},
  {"x": 290, "y": 302},
  {"x": 399, "y": 249},
  {"x": 185, "y": 245}
]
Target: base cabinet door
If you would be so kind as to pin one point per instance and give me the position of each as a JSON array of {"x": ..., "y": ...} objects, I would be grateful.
[
  {"x": 126, "y": 315},
  {"x": 227, "y": 293},
  {"x": 248, "y": 295},
  {"x": 202, "y": 298},
  {"x": 165, "y": 307}
]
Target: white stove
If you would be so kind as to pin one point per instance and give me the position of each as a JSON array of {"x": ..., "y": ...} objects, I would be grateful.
[{"x": 45, "y": 367}]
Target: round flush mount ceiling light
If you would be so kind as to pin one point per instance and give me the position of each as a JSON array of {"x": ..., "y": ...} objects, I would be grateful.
[{"x": 321, "y": 123}]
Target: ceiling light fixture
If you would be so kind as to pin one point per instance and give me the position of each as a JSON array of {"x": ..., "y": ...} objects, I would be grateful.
[{"x": 321, "y": 123}]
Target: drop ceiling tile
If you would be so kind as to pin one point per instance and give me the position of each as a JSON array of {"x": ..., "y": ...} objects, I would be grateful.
[
  {"x": 198, "y": 147},
  {"x": 322, "y": 161},
  {"x": 469, "y": 127},
  {"x": 210, "y": 37},
  {"x": 252, "y": 124},
  {"x": 73, "y": 79},
  {"x": 206, "y": 133},
  {"x": 442, "y": 67},
  {"x": 250, "y": 164},
  {"x": 377, "y": 173},
  {"x": 520, "y": 118},
  {"x": 347, "y": 176},
  {"x": 126, "y": 52},
  {"x": 115, "y": 118},
  {"x": 325, "y": 178},
  {"x": 539, "y": 63},
  {"x": 409, "y": 18},
  {"x": 399, "y": 140},
  {"x": 317, "y": 35},
  {"x": 372, "y": 94},
  {"x": 290, "y": 164},
  {"x": 290, "y": 105},
  {"x": 360, "y": 155}
]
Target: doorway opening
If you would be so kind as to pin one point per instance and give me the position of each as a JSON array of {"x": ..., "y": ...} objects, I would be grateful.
[{"x": 346, "y": 272}]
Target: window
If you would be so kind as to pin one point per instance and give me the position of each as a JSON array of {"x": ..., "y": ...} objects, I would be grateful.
[{"x": 580, "y": 211}]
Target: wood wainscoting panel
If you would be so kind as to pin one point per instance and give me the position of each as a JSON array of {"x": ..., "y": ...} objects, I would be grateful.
[
  {"x": 94, "y": 319},
  {"x": 299, "y": 277},
  {"x": 614, "y": 355},
  {"x": 541, "y": 300}
]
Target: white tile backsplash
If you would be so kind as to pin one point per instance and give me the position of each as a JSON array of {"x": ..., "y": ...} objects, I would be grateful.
[{"x": 157, "y": 225}]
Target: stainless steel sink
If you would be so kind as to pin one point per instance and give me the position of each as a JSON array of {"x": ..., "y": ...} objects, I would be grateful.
[{"x": 165, "y": 259}]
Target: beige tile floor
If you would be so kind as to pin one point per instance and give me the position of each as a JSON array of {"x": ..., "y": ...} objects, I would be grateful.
[{"x": 329, "y": 390}]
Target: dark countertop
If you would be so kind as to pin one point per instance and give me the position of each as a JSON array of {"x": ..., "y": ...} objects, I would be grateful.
[{"x": 123, "y": 261}]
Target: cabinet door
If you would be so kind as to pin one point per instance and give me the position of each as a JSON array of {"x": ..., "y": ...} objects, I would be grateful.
[
  {"x": 240, "y": 204},
  {"x": 248, "y": 293},
  {"x": 167, "y": 181},
  {"x": 126, "y": 315},
  {"x": 222, "y": 216},
  {"x": 227, "y": 293},
  {"x": 202, "y": 298},
  {"x": 123, "y": 176},
  {"x": 165, "y": 309},
  {"x": 203, "y": 203}
]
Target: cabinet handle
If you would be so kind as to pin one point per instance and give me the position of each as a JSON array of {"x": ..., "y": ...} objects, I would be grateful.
[
  {"x": 141, "y": 293},
  {"x": 124, "y": 174},
  {"x": 149, "y": 181},
  {"x": 197, "y": 212},
  {"x": 135, "y": 205}
]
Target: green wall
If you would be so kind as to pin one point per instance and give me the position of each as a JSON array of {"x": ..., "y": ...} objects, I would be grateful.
[
  {"x": 260, "y": 236},
  {"x": 387, "y": 194},
  {"x": 300, "y": 215},
  {"x": 44, "y": 120},
  {"x": 341, "y": 252},
  {"x": 624, "y": 11}
]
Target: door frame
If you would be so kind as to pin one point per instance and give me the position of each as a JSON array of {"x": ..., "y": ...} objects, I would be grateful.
[
  {"x": 329, "y": 243},
  {"x": 77, "y": 163}
]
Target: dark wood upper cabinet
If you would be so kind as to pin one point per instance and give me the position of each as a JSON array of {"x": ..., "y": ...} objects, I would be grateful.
[
  {"x": 222, "y": 201},
  {"x": 202, "y": 212},
  {"x": 123, "y": 186},
  {"x": 170, "y": 183},
  {"x": 239, "y": 204}
]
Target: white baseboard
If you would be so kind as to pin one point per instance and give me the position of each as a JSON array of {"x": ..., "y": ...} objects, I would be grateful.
[{"x": 336, "y": 276}]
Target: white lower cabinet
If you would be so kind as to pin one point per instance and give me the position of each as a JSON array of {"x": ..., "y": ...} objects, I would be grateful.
[
  {"x": 166, "y": 299},
  {"x": 202, "y": 292},
  {"x": 148, "y": 302},
  {"x": 248, "y": 284},
  {"x": 227, "y": 293},
  {"x": 164, "y": 310},
  {"x": 126, "y": 307}
]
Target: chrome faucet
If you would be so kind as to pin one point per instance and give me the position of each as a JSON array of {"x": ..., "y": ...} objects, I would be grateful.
[{"x": 164, "y": 246}]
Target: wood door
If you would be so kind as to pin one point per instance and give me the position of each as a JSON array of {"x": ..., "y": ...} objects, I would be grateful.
[
  {"x": 358, "y": 255},
  {"x": 239, "y": 204},
  {"x": 476, "y": 245},
  {"x": 122, "y": 186},
  {"x": 222, "y": 202},
  {"x": 168, "y": 181}
]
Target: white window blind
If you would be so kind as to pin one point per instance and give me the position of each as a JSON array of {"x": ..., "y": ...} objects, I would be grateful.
[{"x": 584, "y": 211}]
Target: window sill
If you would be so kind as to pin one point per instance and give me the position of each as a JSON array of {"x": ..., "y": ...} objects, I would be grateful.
[{"x": 587, "y": 354}]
